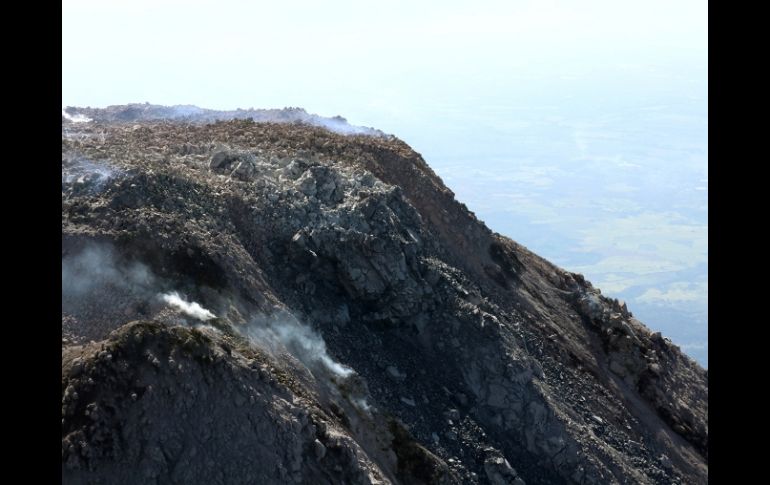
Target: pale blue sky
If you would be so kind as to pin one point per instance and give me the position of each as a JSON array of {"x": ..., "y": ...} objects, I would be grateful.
[{"x": 578, "y": 128}]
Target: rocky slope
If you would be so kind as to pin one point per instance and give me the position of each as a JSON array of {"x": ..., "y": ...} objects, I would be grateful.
[{"x": 258, "y": 302}]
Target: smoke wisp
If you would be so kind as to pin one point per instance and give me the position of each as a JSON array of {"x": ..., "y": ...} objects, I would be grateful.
[
  {"x": 102, "y": 290},
  {"x": 76, "y": 118},
  {"x": 98, "y": 285},
  {"x": 96, "y": 269},
  {"x": 79, "y": 170},
  {"x": 342, "y": 127},
  {"x": 192, "y": 309},
  {"x": 300, "y": 341}
]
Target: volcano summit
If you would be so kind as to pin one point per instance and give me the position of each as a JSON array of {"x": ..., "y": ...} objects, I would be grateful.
[{"x": 269, "y": 296}]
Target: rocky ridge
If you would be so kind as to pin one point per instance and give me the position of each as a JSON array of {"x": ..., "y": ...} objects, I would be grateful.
[
  {"x": 193, "y": 114},
  {"x": 422, "y": 348}
]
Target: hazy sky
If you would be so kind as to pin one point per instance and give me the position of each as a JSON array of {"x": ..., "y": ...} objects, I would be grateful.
[{"x": 368, "y": 61}]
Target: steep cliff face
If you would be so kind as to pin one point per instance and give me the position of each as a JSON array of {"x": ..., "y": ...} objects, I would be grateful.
[{"x": 318, "y": 308}]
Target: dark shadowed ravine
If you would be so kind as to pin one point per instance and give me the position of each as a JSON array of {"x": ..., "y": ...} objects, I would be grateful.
[{"x": 271, "y": 297}]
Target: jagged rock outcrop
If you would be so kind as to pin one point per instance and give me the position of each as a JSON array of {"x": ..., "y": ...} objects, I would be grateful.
[{"x": 476, "y": 360}]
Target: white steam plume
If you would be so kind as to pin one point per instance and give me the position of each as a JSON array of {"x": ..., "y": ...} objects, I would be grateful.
[
  {"x": 77, "y": 118},
  {"x": 302, "y": 342},
  {"x": 341, "y": 127},
  {"x": 192, "y": 309}
]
